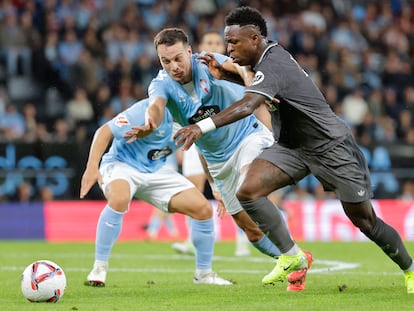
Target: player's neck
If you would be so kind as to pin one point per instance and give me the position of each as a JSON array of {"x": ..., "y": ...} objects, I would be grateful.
[
  {"x": 261, "y": 48},
  {"x": 187, "y": 78}
]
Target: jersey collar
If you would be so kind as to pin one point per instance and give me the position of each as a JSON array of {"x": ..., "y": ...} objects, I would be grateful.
[{"x": 271, "y": 44}]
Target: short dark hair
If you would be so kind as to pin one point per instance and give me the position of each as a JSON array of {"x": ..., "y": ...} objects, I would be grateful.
[
  {"x": 170, "y": 36},
  {"x": 244, "y": 16}
]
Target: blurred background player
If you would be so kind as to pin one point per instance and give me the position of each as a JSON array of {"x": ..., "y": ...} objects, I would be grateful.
[{"x": 157, "y": 220}]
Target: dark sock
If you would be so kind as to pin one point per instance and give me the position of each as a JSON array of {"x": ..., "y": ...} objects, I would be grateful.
[
  {"x": 388, "y": 239},
  {"x": 263, "y": 212}
]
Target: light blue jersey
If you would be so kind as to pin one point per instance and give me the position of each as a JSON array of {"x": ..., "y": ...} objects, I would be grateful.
[
  {"x": 210, "y": 96},
  {"x": 147, "y": 154}
]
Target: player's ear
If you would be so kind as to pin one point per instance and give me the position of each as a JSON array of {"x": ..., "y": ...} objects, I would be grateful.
[{"x": 255, "y": 37}]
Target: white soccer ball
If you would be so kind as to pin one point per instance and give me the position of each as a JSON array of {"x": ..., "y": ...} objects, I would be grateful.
[{"x": 43, "y": 281}]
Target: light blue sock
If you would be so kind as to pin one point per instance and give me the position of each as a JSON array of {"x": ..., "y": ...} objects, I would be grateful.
[
  {"x": 170, "y": 225},
  {"x": 107, "y": 232},
  {"x": 266, "y": 246},
  {"x": 202, "y": 236},
  {"x": 188, "y": 221},
  {"x": 154, "y": 224}
]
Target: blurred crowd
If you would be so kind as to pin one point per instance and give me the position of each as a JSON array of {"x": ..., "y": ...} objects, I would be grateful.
[{"x": 90, "y": 59}]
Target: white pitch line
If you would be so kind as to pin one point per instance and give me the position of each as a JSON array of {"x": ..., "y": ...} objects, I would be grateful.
[
  {"x": 319, "y": 266},
  {"x": 332, "y": 265},
  {"x": 322, "y": 266},
  {"x": 156, "y": 270}
]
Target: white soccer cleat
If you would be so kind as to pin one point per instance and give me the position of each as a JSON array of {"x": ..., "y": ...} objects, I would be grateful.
[
  {"x": 184, "y": 248},
  {"x": 210, "y": 277},
  {"x": 242, "y": 245},
  {"x": 242, "y": 250},
  {"x": 97, "y": 276}
]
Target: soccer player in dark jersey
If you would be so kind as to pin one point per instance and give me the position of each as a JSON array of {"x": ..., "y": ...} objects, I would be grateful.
[{"x": 310, "y": 139}]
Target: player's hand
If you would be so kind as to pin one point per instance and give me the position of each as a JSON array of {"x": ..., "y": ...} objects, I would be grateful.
[
  {"x": 141, "y": 131},
  {"x": 215, "y": 68},
  {"x": 221, "y": 209},
  {"x": 89, "y": 178},
  {"x": 271, "y": 103},
  {"x": 187, "y": 136}
]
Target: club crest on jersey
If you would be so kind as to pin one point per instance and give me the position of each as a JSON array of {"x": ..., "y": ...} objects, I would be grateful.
[
  {"x": 204, "y": 112},
  {"x": 156, "y": 154},
  {"x": 121, "y": 120},
  {"x": 258, "y": 78},
  {"x": 204, "y": 85},
  {"x": 160, "y": 133}
]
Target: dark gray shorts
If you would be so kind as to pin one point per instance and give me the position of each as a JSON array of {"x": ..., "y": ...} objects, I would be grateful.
[{"x": 342, "y": 169}]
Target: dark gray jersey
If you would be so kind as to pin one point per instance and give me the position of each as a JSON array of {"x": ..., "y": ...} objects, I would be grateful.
[{"x": 302, "y": 119}]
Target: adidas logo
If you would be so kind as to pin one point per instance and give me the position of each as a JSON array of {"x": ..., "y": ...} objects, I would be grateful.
[{"x": 361, "y": 192}]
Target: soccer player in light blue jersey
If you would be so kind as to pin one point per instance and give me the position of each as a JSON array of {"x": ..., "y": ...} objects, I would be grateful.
[
  {"x": 192, "y": 166},
  {"x": 186, "y": 87},
  {"x": 138, "y": 169}
]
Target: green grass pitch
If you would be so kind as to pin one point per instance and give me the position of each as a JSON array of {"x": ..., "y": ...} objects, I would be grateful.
[{"x": 150, "y": 276}]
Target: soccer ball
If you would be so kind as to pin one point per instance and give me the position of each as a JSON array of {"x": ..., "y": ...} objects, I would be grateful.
[{"x": 43, "y": 281}]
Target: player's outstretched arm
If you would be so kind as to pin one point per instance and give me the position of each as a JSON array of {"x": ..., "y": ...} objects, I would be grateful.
[
  {"x": 232, "y": 71},
  {"x": 100, "y": 142},
  {"x": 140, "y": 131},
  {"x": 153, "y": 118},
  {"x": 238, "y": 110},
  {"x": 227, "y": 71}
]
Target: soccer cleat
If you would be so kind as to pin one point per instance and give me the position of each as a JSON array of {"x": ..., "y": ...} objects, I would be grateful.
[
  {"x": 184, "y": 248},
  {"x": 242, "y": 252},
  {"x": 242, "y": 248},
  {"x": 97, "y": 276},
  {"x": 284, "y": 266},
  {"x": 210, "y": 278},
  {"x": 297, "y": 279},
  {"x": 242, "y": 245},
  {"x": 409, "y": 281}
]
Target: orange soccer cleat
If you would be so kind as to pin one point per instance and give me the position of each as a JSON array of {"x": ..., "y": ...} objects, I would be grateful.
[{"x": 297, "y": 279}]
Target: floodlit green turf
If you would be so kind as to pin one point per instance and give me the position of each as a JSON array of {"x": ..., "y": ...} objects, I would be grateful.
[{"x": 150, "y": 276}]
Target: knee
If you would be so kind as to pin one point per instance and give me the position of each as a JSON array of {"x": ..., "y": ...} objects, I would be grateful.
[
  {"x": 202, "y": 212},
  {"x": 119, "y": 203},
  {"x": 245, "y": 193}
]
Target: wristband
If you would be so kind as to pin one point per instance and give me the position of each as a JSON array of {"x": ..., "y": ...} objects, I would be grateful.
[
  {"x": 146, "y": 117},
  {"x": 206, "y": 125}
]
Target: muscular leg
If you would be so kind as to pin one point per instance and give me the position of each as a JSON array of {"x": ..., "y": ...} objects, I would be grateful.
[
  {"x": 108, "y": 228},
  {"x": 261, "y": 179},
  {"x": 192, "y": 203},
  {"x": 198, "y": 180},
  {"x": 252, "y": 231},
  {"x": 255, "y": 235},
  {"x": 386, "y": 237},
  {"x": 110, "y": 221}
]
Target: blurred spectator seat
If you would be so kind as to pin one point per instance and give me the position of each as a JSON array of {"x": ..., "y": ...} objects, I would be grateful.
[
  {"x": 3, "y": 75},
  {"x": 381, "y": 175},
  {"x": 21, "y": 89}
]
